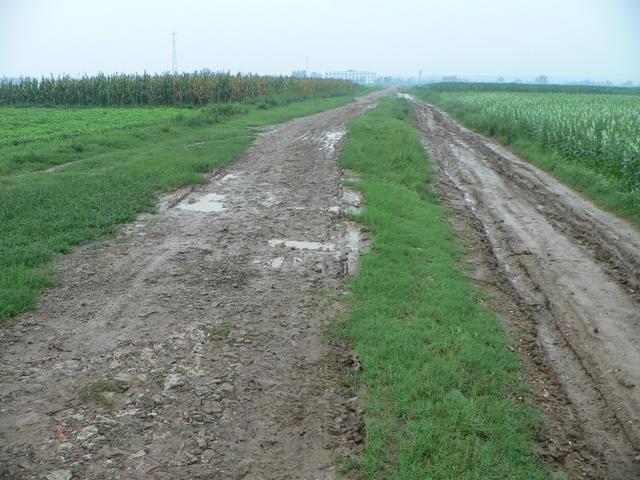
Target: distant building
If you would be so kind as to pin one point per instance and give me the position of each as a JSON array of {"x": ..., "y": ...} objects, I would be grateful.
[
  {"x": 365, "y": 78},
  {"x": 454, "y": 78},
  {"x": 299, "y": 73}
]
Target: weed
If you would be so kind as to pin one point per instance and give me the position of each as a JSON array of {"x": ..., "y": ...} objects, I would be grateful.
[
  {"x": 110, "y": 435},
  {"x": 98, "y": 390},
  {"x": 220, "y": 331},
  {"x": 148, "y": 403},
  {"x": 158, "y": 376}
]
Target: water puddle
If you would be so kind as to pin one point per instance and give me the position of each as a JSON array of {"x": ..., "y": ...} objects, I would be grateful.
[
  {"x": 406, "y": 96},
  {"x": 352, "y": 238},
  {"x": 353, "y": 200},
  {"x": 277, "y": 262},
  {"x": 229, "y": 177},
  {"x": 209, "y": 203},
  {"x": 300, "y": 245},
  {"x": 331, "y": 139},
  {"x": 269, "y": 200},
  {"x": 351, "y": 197}
]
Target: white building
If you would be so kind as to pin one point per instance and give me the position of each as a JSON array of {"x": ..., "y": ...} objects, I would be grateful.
[{"x": 365, "y": 78}]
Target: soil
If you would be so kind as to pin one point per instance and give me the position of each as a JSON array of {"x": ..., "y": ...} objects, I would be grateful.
[
  {"x": 565, "y": 279},
  {"x": 192, "y": 345}
]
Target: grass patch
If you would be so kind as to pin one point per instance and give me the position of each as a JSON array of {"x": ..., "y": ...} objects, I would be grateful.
[
  {"x": 220, "y": 331},
  {"x": 98, "y": 390},
  {"x": 440, "y": 385},
  {"x": 117, "y": 175}
]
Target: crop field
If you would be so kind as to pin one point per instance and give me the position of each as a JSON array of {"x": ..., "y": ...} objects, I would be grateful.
[
  {"x": 166, "y": 89},
  {"x": 598, "y": 131}
]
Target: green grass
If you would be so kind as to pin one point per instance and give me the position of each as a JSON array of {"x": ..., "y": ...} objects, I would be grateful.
[
  {"x": 96, "y": 391},
  {"x": 117, "y": 176},
  {"x": 36, "y": 124},
  {"x": 440, "y": 386},
  {"x": 587, "y": 141}
]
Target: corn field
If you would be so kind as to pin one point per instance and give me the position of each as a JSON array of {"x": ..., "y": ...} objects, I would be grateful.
[
  {"x": 166, "y": 89},
  {"x": 601, "y": 131}
]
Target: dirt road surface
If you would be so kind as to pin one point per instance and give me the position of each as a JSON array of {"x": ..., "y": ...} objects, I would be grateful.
[
  {"x": 568, "y": 277},
  {"x": 191, "y": 346}
]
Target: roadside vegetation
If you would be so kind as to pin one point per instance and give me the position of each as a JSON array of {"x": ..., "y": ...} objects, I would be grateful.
[
  {"x": 118, "y": 171},
  {"x": 440, "y": 386},
  {"x": 166, "y": 89},
  {"x": 588, "y": 137}
]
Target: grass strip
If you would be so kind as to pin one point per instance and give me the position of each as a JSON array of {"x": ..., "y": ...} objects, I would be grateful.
[
  {"x": 115, "y": 178},
  {"x": 440, "y": 386}
]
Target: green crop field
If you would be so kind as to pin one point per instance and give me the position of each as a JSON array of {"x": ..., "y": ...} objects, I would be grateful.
[
  {"x": 589, "y": 140},
  {"x": 165, "y": 89}
]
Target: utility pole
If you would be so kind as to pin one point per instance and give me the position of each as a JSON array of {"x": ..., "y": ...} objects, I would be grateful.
[
  {"x": 174, "y": 58},
  {"x": 306, "y": 72}
]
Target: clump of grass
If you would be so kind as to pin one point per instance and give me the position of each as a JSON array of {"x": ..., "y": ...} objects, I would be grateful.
[
  {"x": 158, "y": 375},
  {"x": 148, "y": 403},
  {"x": 220, "y": 331},
  {"x": 437, "y": 375},
  {"x": 111, "y": 435},
  {"x": 211, "y": 114},
  {"x": 96, "y": 391}
]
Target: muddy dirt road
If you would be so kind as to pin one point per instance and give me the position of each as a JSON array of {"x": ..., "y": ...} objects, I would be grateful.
[
  {"x": 191, "y": 346},
  {"x": 573, "y": 272}
]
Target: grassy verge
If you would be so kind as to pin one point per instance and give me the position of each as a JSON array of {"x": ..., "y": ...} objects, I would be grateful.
[
  {"x": 440, "y": 384},
  {"x": 118, "y": 175},
  {"x": 607, "y": 191}
]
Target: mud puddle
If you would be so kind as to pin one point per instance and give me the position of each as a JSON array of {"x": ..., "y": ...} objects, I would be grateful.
[{"x": 208, "y": 203}]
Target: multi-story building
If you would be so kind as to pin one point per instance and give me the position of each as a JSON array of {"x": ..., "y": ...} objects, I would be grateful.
[{"x": 366, "y": 78}]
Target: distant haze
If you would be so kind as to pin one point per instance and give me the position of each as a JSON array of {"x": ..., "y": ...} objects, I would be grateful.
[{"x": 564, "y": 39}]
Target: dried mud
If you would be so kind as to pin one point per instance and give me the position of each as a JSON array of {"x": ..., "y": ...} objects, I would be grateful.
[
  {"x": 191, "y": 346},
  {"x": 564, "y": 276}
]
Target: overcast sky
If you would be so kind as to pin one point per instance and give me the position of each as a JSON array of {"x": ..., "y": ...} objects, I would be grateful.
[{"x": 595, "y": 39}]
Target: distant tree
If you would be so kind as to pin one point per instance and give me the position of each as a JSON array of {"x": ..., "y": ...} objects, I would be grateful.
[
  {"x": 542, "y": 79},
  {"x": 500, "y": 80}
]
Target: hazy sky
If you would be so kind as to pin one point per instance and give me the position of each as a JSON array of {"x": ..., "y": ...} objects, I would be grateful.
[{"x": 561, "y": 38}]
